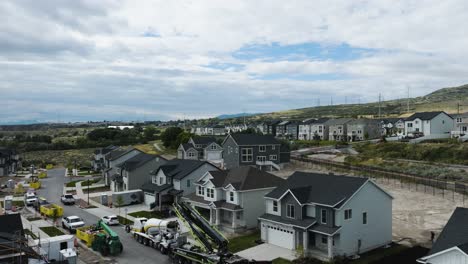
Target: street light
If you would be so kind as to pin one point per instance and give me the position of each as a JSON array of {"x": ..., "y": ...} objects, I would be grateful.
[{"x": 88, "y": 192}]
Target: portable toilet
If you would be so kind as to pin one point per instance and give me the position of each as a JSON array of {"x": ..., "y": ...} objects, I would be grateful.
[
  {"x": 11, "y": 184},
  {"x": 8, "y": 203},
  {"x": 104, "y": 199}
]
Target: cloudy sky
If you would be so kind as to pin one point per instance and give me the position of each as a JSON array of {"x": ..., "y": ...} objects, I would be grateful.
[{"x": 135, "y": 60}]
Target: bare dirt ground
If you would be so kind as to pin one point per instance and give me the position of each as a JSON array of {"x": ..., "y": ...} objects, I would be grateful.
[{"x": 417, "y": 210}]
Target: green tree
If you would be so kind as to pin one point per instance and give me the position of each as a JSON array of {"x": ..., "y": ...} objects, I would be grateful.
[
  {"x": 169, "y": 136},
  {"x": 149, "y": 132},
  {"x": 119, "y": 202}
]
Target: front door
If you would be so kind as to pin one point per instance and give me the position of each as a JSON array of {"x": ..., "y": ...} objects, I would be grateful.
[{"x": 311, "y": 240}]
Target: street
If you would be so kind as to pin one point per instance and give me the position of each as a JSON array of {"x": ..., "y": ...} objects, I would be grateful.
[{"x": 52, "y": 189}]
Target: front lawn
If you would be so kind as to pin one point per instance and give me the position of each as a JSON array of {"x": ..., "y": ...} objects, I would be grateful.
[
  {"x": 89, "y": 182},
  {"x": 281, "y": 261},
  {"x": 124, "y": 221},
  {"x": 148, "y": 214},
  {"x": 240, "y": 243},
  {"x": 51, "y": 231}
]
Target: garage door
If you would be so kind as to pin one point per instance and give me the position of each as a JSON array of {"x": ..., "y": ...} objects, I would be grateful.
[
  {"x": 149, "y": 198},
  {"x": 280, "y": 236},
  {"x": 214, "y": 156}
]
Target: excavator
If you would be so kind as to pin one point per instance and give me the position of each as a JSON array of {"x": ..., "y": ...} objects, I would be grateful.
[{"x": 212, "y": 246}]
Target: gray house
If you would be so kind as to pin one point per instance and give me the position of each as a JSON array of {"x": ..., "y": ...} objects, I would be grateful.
[
  {"x": 252, "y": 150},
  {"x": 452, "y": 244},
  {"x": 281, "y": 129},
  {"x": 233, "y": 200},
  {"x": 429, "y": 123},
  {"x": 9, "y": 161},
  {"x": 114, "y": 158},
  {"x": 292, "y": 131},
  {"x": 327, "y": 215},
  {"x": 173, "y": 180},
  {"x": 271, "y": 127},
  {"x": 363, "y": 129},
  {"x": 337, "y": 129},
  {"x": 98, "y": 158},
  {"x": 201, "y": 148},
  {"x": 135, "y": 171}
]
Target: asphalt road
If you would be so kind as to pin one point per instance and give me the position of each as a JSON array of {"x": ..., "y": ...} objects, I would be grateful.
[{"x": 52, "y": 189}]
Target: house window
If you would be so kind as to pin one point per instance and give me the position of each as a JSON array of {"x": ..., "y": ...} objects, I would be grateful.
[
  {"x": 160, "y": 180},
  {"x": 231, "y": 196},
  {"x": 348, "y": 214},
  {"x": 191, "y": 154},
  {"x": 364, "y": 218},
  {"x": 359, "y": 131},
  {"x": 416, "y": 122},
  {"x": 238, "y": 215},
  {"x": 273, "y": 147},
  {"x": 324, "y": 239},
  {"x": 320, "y": 129},
  {"x": 247, "y": 155},
  {"x": 210, "y": 193},
  {"x": 188, "y": 183},
  {"x": 324, "y": 216},
  {"x": 201, "y": 190},
  {"x": 275, "y": 206},
  {"x": 213, "y": 147},
  {"x": 459, "y": 120},
  {"x": 290, "y": 211},
  {"x": 261, "y": 158},
  {"x": 410, "y": 124},
  {"x": 262, "y": 148},
  {"x": 273, "y": 157},
  {"x": 443, "y": 121}
]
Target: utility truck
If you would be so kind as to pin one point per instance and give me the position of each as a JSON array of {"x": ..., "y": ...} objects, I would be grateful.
[{"x": 155, "y": 233}]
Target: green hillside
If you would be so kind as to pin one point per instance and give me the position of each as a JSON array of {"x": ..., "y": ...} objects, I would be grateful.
[{"x": 446, "y": 99}]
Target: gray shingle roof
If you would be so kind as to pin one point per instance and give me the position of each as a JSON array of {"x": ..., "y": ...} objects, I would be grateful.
[
  {"x": 304, "y": 223},
  {"x": 137, "y": 161},
  {"x": 324, "y": 229},
  {"x": 203, "y": 140},
  {"x": 338, "y": 121},
  {"x": 315, "y": 188},
  {"x": 179, "y": 168},
  {"x": 245, "y": 178},
  {"x": 253, "y": 139},
  {"x": 152, "y": 188},
  {"x": 454, "y": 234},
  {"x": 424, "y": 115},
  {"x": 187, "y": 146}
]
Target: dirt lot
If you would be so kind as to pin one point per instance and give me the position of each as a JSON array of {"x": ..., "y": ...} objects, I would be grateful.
[{"x": 417, "y": 210}]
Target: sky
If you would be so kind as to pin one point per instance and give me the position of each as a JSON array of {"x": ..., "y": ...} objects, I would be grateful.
[{"x": 160, "y": 60}]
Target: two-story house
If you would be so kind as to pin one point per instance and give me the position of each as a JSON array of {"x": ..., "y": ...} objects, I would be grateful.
[
  {"x": 429, "y": 123},
  {"x": 392, "y": 126},
  {"x": 451, "y": 247},
  {"x": 292, "y": 130},
  {"x": 460, "y": 125},
  {"x": 363, "y": 129},
  {"x": 271, "y": 127},
  {"x": 233, "y": 199},
  {"x": 113, "y": 158},
  {"x": 304, "y": 129},
  {"x": 281, "y": 129},
  {"x": 201, "y": 148},
  {"x": 337, "y": 129},
  {"x": 134, "y": 172},
  {"x": 252, "y": 150},
  {"x": 9, "y": 161},
  {"x": 313, "y": 129},
  {"x": 98, "y": 158},
  {"x": 173, "y": 180},
  {"x": 327, "y": 215}
]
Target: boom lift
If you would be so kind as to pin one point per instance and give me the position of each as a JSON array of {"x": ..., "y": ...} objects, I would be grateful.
[{"x": 213, "y": 246}]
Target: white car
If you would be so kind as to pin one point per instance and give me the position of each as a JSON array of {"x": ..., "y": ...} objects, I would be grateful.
[
  {"x": 30, "y": 198},
  {"x": 72, "y": 223},
  {"x": 110, "y": 220}
]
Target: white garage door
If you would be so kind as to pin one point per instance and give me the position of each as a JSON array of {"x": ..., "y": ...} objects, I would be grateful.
[
  {"x": 149, "y": 198},
  {"x": 213, "y": 156},
  {"x": 280, "y": 236}
]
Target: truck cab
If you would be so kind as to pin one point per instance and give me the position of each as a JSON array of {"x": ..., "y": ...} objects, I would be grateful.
[
  {"x": 72, "y": 223},
  {"x": 30, "y": 198}
]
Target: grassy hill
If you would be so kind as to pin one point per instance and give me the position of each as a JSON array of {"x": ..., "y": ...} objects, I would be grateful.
[{"x": 445, "y": 99}]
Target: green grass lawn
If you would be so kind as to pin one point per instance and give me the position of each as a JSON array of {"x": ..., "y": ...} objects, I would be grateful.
[
  {"x": 240, "y": 243},
  {"x": 281, "y": 261},
  {"x": 124, "y": 221},
  {"x": 147, "y": 214},
  {"x": 52, "y": 231},
  {"x": 84, "y": 182}
]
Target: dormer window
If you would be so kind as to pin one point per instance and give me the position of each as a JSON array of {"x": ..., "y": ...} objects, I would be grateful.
[
  {"x": 213, "y": 147},
  {"x": 231, "y": 196}
]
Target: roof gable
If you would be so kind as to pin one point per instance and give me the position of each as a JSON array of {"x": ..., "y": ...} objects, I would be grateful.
[
  {"x": 180, "y": 168},
  {"x": 455, "y": 232},
  {"x": 425, "y": 115}
]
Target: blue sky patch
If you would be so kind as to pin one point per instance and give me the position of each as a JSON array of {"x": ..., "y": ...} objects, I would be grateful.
[{"x": 225, "y": 66}]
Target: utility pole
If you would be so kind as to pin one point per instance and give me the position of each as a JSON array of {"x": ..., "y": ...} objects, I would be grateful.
[
  {"x": 380, "y": 99},
  {"x": 407, "y": 102}
]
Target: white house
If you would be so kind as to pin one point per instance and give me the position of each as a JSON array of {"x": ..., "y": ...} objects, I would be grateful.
[
  {"x": 429, "y": 123},
  {"x": 460, "y": 125}
]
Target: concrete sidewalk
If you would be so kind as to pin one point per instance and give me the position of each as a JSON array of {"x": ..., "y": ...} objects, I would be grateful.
[{"x": 267, "y": 252}]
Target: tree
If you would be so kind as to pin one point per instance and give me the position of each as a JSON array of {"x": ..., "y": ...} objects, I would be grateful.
[
  {"x": 169, "y": 136},
  {"x": 149, "y": 132},
  {"x": 119, "y": 202}
]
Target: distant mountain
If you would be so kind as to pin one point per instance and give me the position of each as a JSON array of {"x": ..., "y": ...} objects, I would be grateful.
[
  {"x": 19, "y": 122},
  {"x": 449, "y": 100},
  {"x": 227, "y": 116}
]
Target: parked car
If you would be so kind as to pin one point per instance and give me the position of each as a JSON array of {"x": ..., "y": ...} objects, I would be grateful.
[
  {"x": 67, "y": 199},
  {"x": 110, "y": 220},
  {"x": 30, "y": 198},
  {"x": 72, "y": 223}
]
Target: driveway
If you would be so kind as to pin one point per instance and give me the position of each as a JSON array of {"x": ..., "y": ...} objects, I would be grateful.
[
  {"x": 52, "y": 189},
  {"x": 267, "y": 252}
]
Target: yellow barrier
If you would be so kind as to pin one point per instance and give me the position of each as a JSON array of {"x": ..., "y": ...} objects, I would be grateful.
[
  {"x": 49, "y": 209},
  {"x": 35, "y": 185}
]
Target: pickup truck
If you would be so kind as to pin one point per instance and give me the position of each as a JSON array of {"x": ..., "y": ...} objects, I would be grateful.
[
  {"x": 72, "y": 223},
  {"x": 30, "y": 198},
  {"x": 67, "y": 199}
]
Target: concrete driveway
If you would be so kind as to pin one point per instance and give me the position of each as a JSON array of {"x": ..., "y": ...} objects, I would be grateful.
[{"x": 267, "y": 252}]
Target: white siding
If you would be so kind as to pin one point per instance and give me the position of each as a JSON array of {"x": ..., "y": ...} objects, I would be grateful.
[
  {"x": 450, "y": 257},
  {"x": 378, "y": 230},
  {"x": 269, "y": 207},
  {"x": 441, "y": 124}
]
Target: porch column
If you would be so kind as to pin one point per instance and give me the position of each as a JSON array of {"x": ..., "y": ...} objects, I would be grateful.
[
  {"x": 211, "y": 215},
  {"x": 330, "y": 247},
  {"x": 218, "y": 213},
  {"x": 305, "y": 241},
  {"x": 234, "y": 219}
]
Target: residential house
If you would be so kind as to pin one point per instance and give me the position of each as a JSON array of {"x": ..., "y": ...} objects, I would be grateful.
[
  {"x": 235, "y": 128},
  {"x": 201, "y": 148},
  {"x": 319, "y": 129},
  {"x": 337, "y": 129},
  {"x": 392, "y": 126},
  {"x": 429, "y": 123},
  {"x": 460, "y": 125},
  {"x": 135, "y": 171},
  {"x": 98, "y": 158},
  {"x": 262, "y": 128},
  {"x": 272, "y": 127},
  {"x": 173, "y": 180},
  {"x": 305, "y": 128},
  {"x": 233, "y": 200},
  {"x": 281, "y": 129},
  {"x": 327, "y": 215},
  {"x": 363, "y": 129},
  {"x": 9, "y": 161},
  {"x": 292, "y": 130},
  {"x": 218, "y": 130},
  {"x": 263, "y": 151},
  {"x": 452, "y": 244},
  {"x": 113, "y": 158}
]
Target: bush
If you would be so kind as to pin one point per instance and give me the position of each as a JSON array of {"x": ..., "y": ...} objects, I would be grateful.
[
  {"x": 52, "y": 231},
  {"x": 42, "y": 175}
]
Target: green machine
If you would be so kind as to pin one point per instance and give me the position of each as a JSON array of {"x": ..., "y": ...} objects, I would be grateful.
[{"x": 107, "y": 242}]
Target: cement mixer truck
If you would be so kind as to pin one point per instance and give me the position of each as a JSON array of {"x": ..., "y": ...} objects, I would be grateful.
[{"x": 155, "y": 233}]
